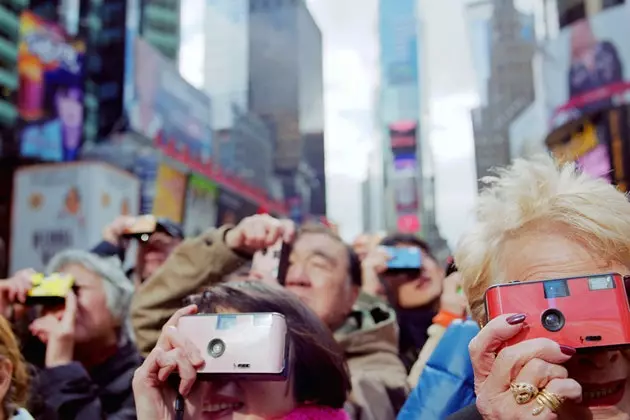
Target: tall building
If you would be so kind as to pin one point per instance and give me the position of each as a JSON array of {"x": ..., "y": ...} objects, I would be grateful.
[
  {"x": 285, "y": 88},
  {"x": 103, "y": 26},
  {"x": 160, "y": 25},
  {"x": 226, "y": 69},
  {"x": 510, "y": 87}
]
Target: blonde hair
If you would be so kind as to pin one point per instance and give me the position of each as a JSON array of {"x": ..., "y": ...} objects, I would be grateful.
[
  {"x": 17, "y": 395},
  {"x": 533, "y": 192}
]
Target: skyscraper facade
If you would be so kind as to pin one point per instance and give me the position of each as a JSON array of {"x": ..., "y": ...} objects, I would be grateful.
[
  {"x": 160, "y": 25},
  {"x": 510, "y": 86}
]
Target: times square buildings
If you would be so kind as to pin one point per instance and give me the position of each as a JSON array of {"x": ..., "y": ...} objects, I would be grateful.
[
  {"x": 576, "y": 95},
  {"x": 101, "y": 103}
]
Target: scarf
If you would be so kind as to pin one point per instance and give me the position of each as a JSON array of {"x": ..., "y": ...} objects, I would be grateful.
[
  {"x": 317, "y": 413},
  {"x": 413, "y": 324}
]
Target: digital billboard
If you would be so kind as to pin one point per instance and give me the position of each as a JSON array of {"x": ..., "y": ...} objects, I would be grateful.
[{"x": 51, "y": 86}]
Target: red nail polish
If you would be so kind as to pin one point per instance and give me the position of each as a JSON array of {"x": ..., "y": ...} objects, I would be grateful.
[
  {"x": 516, "y": 319},
  {"x": 569, "y": 351}
]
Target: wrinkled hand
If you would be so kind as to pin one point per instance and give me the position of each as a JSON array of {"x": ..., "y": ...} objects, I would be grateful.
[
  {"x": 57, "y": 331},
  {"x": 450, "y": 300},
  {"x": 536, "y": 362},
  {"x": 373, "y": 265},
  {"x": 173, "y": 352},
  {"x": 113, "y": 232},
  {"x": 258, "y": 232},
  {"x": 15, "y": 289},
  {"x": 265, "y": 264}
]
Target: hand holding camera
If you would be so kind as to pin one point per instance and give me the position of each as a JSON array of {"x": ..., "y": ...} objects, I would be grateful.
[
  {"x": 452, "y": 299},
  {"x": 56, "y": 330},
  {"x": 115, "y": 231},
  {"x": 373, "y": 265},
  {"x": 258, "y": 232},
  {"x": 173, "y": 353},
  {"x": 562, "y": 310},
  {"x": 15, "y": 289}
]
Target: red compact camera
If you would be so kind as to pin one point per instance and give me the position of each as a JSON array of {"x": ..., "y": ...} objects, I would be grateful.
[{"x": 588, "y": 312}]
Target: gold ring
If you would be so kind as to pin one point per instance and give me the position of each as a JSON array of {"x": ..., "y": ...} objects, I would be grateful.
[
  {"x": 523, "y": 392},
  {"x": 547, "y": 399}
]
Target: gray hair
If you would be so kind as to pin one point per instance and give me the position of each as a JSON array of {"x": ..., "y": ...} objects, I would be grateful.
[{"x": 118, "y": 288}]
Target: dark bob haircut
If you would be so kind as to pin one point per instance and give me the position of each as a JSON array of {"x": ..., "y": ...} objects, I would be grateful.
[{"x": 318, "y": 367}]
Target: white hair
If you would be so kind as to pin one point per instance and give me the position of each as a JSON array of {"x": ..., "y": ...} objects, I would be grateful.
[
  {"x": 118, "y": 288},
  {"x": 534, "y": 192}
]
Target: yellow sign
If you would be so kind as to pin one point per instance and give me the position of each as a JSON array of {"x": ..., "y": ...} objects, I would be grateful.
[
  {"x": 170, "y": 192},
  {"x": 578, "y": 145}
]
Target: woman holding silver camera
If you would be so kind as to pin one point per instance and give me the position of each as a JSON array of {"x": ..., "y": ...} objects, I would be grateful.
[
  {"x": 316, "y": 387},
  {"x": 538, "y": 221}
]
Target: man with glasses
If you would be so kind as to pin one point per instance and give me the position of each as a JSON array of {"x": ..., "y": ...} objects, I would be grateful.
[{"x": 323, "y": 272}]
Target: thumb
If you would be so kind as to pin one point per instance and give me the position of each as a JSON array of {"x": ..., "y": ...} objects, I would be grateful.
[{"x": 70, "y": 312}]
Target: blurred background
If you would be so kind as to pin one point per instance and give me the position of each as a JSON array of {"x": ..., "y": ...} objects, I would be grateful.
[{"x": 366, "y": 115}]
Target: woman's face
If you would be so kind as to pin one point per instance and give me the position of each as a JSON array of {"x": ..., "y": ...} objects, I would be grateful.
[
  {"x": 419, "y": 291},
  {"x": 604, "y": 376},
  {"x": 94, "y": 320},
  {"x": 241, "y": 400}
]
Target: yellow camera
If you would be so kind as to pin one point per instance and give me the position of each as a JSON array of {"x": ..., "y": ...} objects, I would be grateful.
[{"x": 49, "y": 290}]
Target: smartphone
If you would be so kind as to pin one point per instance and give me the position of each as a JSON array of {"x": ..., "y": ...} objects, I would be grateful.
[
  {"x": 404, "y": 259},
  {"x": 273, "y": 260},
  {"x": 49, "y": 290},
  {"x": 251, "y": 346},
  {"x": 142, "y": 229}
]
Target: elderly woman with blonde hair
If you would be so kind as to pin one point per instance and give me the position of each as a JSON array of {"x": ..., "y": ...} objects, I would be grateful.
[{"x": 537, "y": 221}]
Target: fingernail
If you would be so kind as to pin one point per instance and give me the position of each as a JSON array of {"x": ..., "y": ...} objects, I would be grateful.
[
  {"x": 516, "y": 319},
  {"x": 569, "y": 351}
]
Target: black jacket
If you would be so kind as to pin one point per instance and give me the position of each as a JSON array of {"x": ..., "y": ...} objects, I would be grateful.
[{"x": 104, "y": 392}]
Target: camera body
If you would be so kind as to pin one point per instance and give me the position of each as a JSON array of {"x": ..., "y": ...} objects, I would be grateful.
[
  {"x": 142, "y": 229},
  {"x": 588, "y": 312},
  {"x": 248, "y": 346},
  {"x": 404, "y": 259},
  {"x": 49, "y": 290}
]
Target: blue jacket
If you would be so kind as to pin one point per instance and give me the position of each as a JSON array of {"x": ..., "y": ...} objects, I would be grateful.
[{"x": 447, "y": 382}]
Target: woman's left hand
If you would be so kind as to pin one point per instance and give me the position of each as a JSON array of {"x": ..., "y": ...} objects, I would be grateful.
[{"x": 57, "y": 331}]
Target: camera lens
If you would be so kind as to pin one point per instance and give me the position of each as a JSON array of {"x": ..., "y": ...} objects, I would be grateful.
[
  {"x": 216, "y": 348},
  {"x": 552, "y": 320}
]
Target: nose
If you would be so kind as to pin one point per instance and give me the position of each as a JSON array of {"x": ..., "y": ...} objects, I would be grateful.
[
  {"x": 296, "y": 272},
  {"x": 599, "y": 360}
]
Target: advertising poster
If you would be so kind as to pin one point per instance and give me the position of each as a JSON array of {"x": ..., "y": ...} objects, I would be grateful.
[
  {"x": 170, "y": 193},
  {"x": 406, "y": 185},
  {"x": 585, "y": 68},
  {"x": 589, "y": 149},
  {"x": 232, "y": 208},
  {"x": 50, "y": 95},
  {"x": 201, "y": 206},
  {"x": 403, "y": 137},
  {"x": 56, "y": 207},
  {"x": 167, "y": 109}
]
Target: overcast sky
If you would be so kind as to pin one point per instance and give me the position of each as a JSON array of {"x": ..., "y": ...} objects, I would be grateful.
[{"x": 350, "y": 71}]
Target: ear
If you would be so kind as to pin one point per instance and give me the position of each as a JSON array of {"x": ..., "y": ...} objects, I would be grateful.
[{"x": 6, "y": 375}]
